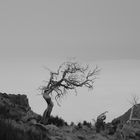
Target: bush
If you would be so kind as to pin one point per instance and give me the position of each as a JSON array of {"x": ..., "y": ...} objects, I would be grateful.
[
  {"x": 59, "y": 122},
  {"x": 100, "y": 125},
  {"x": 79, "y": 125},
  {"x": 88, "y": 124},
  {"x": 9, "y": 132}
]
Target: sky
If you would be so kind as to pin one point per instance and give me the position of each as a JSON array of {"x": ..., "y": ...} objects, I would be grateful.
[{"x": 37, "y": 34}]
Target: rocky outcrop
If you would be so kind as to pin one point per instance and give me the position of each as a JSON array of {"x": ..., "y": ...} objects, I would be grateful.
[
  {"x": 16, "y": 107},
  {"x": 17, "y": 120}
]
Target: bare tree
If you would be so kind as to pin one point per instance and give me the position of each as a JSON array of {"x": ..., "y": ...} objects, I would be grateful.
[
  {"x": 69, "y": 76},
  {"x": 134, "y": 103}
]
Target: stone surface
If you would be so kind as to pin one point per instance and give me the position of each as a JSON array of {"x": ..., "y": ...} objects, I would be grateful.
[{"x": 16, "y": 107}]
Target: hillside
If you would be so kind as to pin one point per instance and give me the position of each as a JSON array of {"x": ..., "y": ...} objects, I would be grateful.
[{"x": 18, "y": 121}]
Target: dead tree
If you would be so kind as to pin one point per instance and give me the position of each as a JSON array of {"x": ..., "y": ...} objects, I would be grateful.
[
  {"x": 69, "y": 76},
  {"x": 134, "y": 103},
  {"x": 100, "y": 124}
]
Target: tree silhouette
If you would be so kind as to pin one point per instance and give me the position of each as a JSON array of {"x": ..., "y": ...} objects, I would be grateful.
[
  {"x": 100, "y": 124},
  {"x": 69, "y": 76},
  {"x": 134, "y": 102}
]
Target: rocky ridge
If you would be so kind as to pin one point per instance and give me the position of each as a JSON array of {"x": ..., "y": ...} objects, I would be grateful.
[{"x": 16, "y": 107}]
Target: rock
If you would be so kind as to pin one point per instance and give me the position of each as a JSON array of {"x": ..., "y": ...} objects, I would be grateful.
[
  {"x": 49, "y": 128},
  {"x": 16, "y": 107},
  {"x": 52, "y": 127},
  {"x": 32, "y": 122},
  {"x": 20, "y": 100},
  {"x": 41, "y": 126},
  {"x": 81, "y": 137}
]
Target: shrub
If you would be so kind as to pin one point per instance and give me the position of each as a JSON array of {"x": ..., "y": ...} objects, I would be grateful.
[
  {"x": 59, "y": 122},
  {"x": 9, "y": 132},
  {"x": 79, "y": 125},
  {"x": 88, "y": 124}
]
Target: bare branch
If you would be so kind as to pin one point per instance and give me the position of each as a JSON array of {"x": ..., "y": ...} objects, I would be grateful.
[
  {"x": 69, "y": 76},
  {"x": 102, "y": 114},
  {"x": 134, "y": 100}
]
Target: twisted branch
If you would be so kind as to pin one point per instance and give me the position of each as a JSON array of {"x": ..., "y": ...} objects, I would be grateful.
[{"x": 69, "y": 76}]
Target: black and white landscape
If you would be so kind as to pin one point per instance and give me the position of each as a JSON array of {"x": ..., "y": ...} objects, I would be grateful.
[{"x": 69, "y": 70}]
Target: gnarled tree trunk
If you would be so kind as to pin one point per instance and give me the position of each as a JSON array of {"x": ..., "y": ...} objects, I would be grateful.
[
  {"x": 47, "y": 112},
  {"x": 69, "y": 76},
  {"x": 131, "y": 113}
]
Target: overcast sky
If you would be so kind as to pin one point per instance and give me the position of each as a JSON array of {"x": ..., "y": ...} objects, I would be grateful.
[{"x": 41, "y": 33}]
